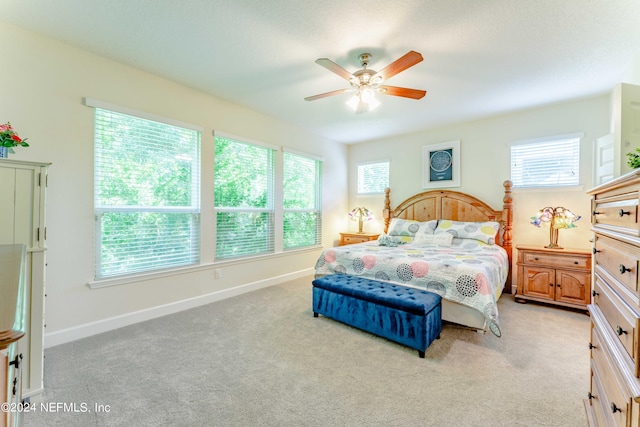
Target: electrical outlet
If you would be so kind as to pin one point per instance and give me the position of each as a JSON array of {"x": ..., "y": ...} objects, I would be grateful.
[{"x": 217, "y": 273}]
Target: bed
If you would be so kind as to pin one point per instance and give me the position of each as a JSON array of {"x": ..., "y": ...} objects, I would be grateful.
[{"x": 466, "y": 263}]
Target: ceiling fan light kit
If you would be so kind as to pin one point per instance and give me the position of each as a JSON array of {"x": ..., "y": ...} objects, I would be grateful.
[{"x": 367, "y": 83}]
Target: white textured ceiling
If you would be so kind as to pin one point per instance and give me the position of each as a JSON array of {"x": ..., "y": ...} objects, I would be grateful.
[{"x": 481, "y": 58}]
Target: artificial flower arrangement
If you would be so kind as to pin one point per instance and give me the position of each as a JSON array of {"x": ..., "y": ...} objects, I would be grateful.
[{"x": 9, "y": 138}]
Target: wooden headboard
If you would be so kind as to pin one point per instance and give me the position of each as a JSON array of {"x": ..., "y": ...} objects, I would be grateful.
[{"x": 457, "y": 206}]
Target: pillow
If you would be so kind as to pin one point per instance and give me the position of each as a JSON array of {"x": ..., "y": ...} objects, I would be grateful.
[
  {"x": 409, "y": 227},
  {"x": 483, "y": 231},
  {"x": 403, "y": 227},
  {"x": 442, "y": 239}
]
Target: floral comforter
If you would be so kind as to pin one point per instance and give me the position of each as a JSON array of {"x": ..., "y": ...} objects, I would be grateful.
[{"x": 470, "y": 274}]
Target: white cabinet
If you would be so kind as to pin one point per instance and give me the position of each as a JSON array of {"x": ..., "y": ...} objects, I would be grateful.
[
  {"x": 22, "y": 209},
  {"x": 626, "y": 124}
]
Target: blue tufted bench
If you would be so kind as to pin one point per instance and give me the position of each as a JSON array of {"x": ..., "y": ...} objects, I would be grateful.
[{"x": 408, "y": 316}]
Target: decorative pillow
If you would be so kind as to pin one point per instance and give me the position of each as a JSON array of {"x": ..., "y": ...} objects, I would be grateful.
[
  {"x": 403, "y": 227},
  {"x": 483, "y": 231},
  {"x": 428, "y": 227},
  {"x": 442, "y": 239},
  {"x": 409, "y": 227}
]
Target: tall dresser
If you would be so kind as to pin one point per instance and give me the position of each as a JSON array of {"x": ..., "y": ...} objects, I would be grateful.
[
  {"x": 22, "y": 209},
  {"x": 614, "y": 397}
]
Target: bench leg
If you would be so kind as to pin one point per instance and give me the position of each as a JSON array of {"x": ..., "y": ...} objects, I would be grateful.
[
  {"x": 315, "y": 314},
  {"x": 421, "y": 354}
]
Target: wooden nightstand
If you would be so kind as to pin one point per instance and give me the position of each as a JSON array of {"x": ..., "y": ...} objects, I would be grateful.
[
  {"x": 555, "y": 276},
  {"x": 351, "y": 238}
]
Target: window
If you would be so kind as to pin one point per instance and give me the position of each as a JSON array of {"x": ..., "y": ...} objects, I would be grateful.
[
  {"x": 244, "y": 198},
  {"x": 373, "y": 178},
  {"x": 147, "y": 194},
  {"x": 549, "y": 162},
  {"x": 301, "y": 201}
]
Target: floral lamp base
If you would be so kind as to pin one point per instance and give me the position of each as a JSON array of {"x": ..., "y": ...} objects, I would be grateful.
[{"x": 553, "y": 239}]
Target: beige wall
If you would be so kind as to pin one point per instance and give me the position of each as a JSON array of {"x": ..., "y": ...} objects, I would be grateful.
[
  {"x": 43, "y": 86},
  {"x": 485, "y": 159}
]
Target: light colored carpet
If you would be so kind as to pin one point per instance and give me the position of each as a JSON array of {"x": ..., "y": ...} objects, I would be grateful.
[{"x": 262, "y": 359}]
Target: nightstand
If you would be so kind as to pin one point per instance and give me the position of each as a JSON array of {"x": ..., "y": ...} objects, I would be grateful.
[
  {"x": 554, "y": 276},
  {"x": 351, "y": 238}
]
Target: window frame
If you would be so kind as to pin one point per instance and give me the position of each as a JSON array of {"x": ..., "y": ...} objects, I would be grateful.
[
  {"x": 575, "y": 138},
  {"x": 358, "y": 175},
  {"x": 271, "y": 202},
  {"x": 193, "y": 209},
  {"x": 317, "y": 209}
]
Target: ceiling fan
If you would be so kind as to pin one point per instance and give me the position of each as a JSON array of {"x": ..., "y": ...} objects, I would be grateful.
[{"x": 366, "y": 83}]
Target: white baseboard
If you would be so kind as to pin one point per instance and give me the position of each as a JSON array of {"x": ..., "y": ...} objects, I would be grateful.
[{"x": 83, "y": 331}]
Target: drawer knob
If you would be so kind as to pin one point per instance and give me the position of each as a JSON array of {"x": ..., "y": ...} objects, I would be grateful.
[
  {"x": 591, "y": 346},
  {"x": 614, "y": 408},
  {"x": 595, "y": 213},
  {"x": 590, "y": 396},
  {"x": 595, "y": 251},
  {"x": 624, "y": 269},
  {"x": 594, "y": 294},
  {"x": 622, "y": 212},
  {"x": 620, "y": 331}
]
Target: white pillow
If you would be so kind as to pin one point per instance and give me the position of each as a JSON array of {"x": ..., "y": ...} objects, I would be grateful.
[{"x": 442, "y": 239}]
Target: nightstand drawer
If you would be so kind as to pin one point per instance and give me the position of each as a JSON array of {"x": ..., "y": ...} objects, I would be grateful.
[
  {"x": 558, "y": 260},
  {"x": 623, "y": 321},
  {"x": 352, "y": 238},
  {"x": 620, "y": 260}
]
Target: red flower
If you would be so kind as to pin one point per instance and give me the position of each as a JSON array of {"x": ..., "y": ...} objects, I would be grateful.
[{"x": 9, "y": 137}]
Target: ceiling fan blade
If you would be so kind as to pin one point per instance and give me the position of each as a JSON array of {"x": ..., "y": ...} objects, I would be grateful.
[
  {"x": 401, "y": 91},
  {"x": 333, "y": 67},
  {"x": 324, "y": 95},
  {"x": 408, "y": 60}
]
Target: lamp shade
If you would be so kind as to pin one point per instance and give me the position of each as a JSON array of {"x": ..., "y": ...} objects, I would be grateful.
[
  {"x": 360, "y": 214},
  {"x": 556, "y": 218}
]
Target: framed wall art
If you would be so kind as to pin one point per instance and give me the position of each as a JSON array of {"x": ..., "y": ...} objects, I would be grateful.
[{"x": 441, "y": 165}]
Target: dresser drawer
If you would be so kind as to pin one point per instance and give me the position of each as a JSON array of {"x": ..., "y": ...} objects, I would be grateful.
[
  {"x": 619, "y": 211},
  {"x": 557, "y": 260},
  {"x": 609, "y": 398},
  {"x": 620, "y": 260},
  {"x": 623, "y": 321}
]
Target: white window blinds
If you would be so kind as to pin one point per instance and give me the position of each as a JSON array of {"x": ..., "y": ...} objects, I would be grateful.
[
  {"x": 243, "y": 198},
  {"x": 373, "y": 178},
  {"x": 147, "y": 195},
  {"x": 546, "y": 163},
  {"x": 302, "y": 201}
]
